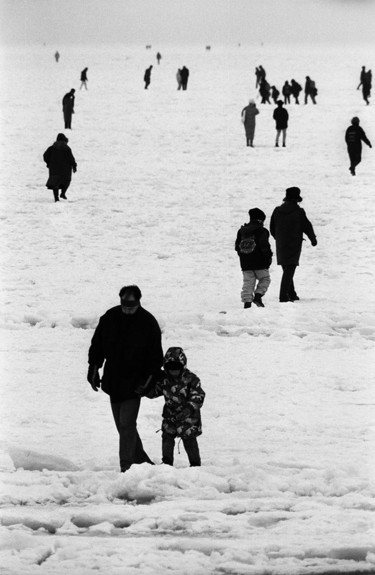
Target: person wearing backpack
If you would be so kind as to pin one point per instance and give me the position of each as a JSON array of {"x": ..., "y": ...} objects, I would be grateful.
[{"x": 254, "y": 251}]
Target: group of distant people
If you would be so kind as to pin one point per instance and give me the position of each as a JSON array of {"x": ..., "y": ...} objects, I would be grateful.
[
  {"x": 182, "y": 77},
  {"x": 266, "y": 91}
]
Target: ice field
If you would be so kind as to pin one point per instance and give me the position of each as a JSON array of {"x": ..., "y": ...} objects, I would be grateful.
[{"x": 164, "y": 181}]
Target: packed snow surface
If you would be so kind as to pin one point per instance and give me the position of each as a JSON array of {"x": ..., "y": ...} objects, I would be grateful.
[{"x": 164, "y": 181}]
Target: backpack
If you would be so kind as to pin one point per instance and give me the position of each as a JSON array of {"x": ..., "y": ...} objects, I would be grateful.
[{"x": 247, "y": 243}]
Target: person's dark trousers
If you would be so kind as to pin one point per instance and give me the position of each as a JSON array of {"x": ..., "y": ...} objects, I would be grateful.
[
  {"x": 131, "y": 450},
  {"x": 287, "y": 291},
  {"x": 355, "y": 156},
  {"x": 190, "y": 445},
  {"x": 68, "y": 120}
]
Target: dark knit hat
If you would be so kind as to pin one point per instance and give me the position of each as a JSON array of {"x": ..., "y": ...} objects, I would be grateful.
[
  {"x": 293, "y": 194},
  {"x": 61, "y": 138},
  {"x": 257, "y": 214}
]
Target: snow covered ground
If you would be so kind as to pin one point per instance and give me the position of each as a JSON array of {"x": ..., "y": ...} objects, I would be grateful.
[{"x": 164, "y": 181}]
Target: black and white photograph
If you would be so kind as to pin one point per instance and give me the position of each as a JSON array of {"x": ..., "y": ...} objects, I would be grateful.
[{"x": 187, "y": 280}]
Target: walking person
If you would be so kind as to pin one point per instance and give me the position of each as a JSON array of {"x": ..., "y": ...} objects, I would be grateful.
[
  {"x": 248, "y": 115},
  {"x": 57, "y": 56},
  {"x": 255, "y": 254},
  {"x": 275, "y": 94},
  {"x": 158, "y": 57},
  {"x": 286, "y": 90},
  {"x": 310, "y": 90},
  {"x": 127, "y": 341},
  {"x": 288, "y": 224},
  {"x": 147, "y": 77},
  {"x": 265, "y": 92},
  {"x": 354, "y": 136},
  {"x": 68, "y": 108},
  {"x": 60, "y": 163},
  {"x": 184, "y": 398},
  {"x": 366, "y": 83},
  {"x": 295, "y": 89},
  {"x": 185, "y": 72},
  {"x": 84, "y": 78},
  {"x": 281, "y": 117}
]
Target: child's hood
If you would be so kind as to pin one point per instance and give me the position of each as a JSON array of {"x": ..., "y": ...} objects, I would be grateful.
[{"x": 175, "y": 355}]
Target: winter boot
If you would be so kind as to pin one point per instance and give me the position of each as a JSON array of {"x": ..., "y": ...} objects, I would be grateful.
[
  {"x": 56, "y": 195},
  {"x": 247, "y": 304},
  {"x": 258, "y": 300}
]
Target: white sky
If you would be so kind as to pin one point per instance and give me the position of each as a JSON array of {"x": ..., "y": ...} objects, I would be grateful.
[{"x": 186, "y": 21}]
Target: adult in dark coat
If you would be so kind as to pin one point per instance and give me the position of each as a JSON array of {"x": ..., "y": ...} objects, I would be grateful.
[
  {"x": 254, "y": 265},
  {"x": 295, "y": 89},
  {"x": 84, "y": 78},
  {"x": 68, "y": 108},
  {"x": 354, "y": 136},
  {"x": 288, "y": 224},
  {"x": 281, "y": 117},
  {"x": 310, "y": 90},
  {"x": 60, "y": 163},
  {"x": 128, "y": 340},
  {"x": 147, "y": 77},
  {"x": 184, "y": 77}
]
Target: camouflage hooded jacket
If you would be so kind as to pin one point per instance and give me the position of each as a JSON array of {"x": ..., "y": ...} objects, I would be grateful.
[{"x": 183, "y": 396}]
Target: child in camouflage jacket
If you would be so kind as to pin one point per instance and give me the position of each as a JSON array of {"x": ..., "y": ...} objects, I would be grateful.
[{"x": 183, "y": 399}]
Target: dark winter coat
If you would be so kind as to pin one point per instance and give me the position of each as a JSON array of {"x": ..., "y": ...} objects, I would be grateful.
[
  {"x": 261, "y": 257},
  {"x": 288, "y": 224},
  {"x": 130, "y": 345},
  {"x": 179, "y": 393},
  {"x": 281, "y": 116},
  {"x": 68, "y": 103},
  {"x": 60, "y": 162},
  {"x": 354, "y": 136}
]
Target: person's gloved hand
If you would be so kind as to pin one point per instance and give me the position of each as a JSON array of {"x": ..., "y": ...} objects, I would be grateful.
[
  {"x": 93, "y": 377},
  {"x": 184, "y": 414},
  {"x": 314, "y": 242}
]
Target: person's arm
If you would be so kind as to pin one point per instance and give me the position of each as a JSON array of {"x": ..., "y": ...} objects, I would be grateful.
[
  {"x": 96, "y": 357},
  {"x": 364, "y": 138},
  {"x": 308, "y": 229}
]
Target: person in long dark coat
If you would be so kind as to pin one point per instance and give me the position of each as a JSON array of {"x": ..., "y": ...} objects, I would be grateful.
[
  {"x": 184, "y": 77},
  {"x": 281, "y": 116},
  {"x": 68, "y": 108},
  {"x": 127, "y": 341},
  {"x": 60, "y": 163},
  {"x": 354, "y": 136},
  {"x": 147, "y": 77},
  {"x": 295, "y": 89},
  {"x": 288, "y": 224},
  {"x": 310, "y": 90},
  {"x": 248, "y": 119}
]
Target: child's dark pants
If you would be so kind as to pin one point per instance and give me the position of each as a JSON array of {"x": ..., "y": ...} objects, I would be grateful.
[{"x": 191, "y": 448}]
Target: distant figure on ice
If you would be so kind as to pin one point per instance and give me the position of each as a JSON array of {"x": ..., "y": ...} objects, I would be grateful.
[
  {"x": 179, "y": 79},
  {"x": 354, "y": 136},
  {"x": 366, "y": 83},
  {"x": 127, "y": 340},
  {"x": 184, "y": 77},
  {"x": 275, "y": 94},
  {"x": 253, "y": 248},
  {"x": 286, "y": 90},
  {"x": 288, "y": 224},
  {"x": 57, "y": 56},
  {"x": 248, "y": 119},
  {"x": 158, "y": 57},
  {"x": 84, "y": 78},
  {"x": 60, "y": 163},
  {"x": 184, "y": 397},
  {"x": 295, "y": 89},
  {"x": 260, "y": 75},
  {"x": 264, "y": 91},
  {"x": 147, "y": 77},
  {"x": 310, "y": 90},
  {"x": 68, "y": 108},
  {"x": 281, "y": 116}
]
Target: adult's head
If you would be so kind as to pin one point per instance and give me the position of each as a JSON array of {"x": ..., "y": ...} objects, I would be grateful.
[
  {"x": 72, "y": 91},
  {"x": 257, "y": 214},
  {"x": 61, "y": 138},
  {"x": 355, "y": 121},
  {"x": 280, "y": 103},
  {"x": 293, "y": 194},
  {"x": 130, "y": 299}
]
